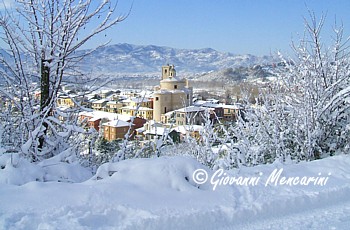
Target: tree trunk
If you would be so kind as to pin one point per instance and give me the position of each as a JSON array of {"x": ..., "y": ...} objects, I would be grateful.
[{"x": 45, "y": 96}]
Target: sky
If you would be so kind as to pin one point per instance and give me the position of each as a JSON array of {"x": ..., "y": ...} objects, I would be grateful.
[{"x": 258, "y": 27}]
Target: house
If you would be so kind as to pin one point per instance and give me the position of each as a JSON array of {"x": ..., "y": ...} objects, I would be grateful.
[
  {"x": 117, "y": 129},
  {"x": 168, "y": 118},
  {"x": 151, "y": 129},
  {"x": 143, "y": 112},
  {"x": 105, "y": 93},
  {"x": 231, "y": 112},
  {"x": 138, "y": 102},
  {"x": 93, "y": 119},
  {"x": 65, "y": 101},
  {"x": 146, "y": 113},
  {"x": 155, "y": 132},
  {"x": 191, "y": 115},
  {"x": 191, "y": 130},
  {"x": 113, "y": 106},
  {"x": 99, "y": 104},
  {"x": 216, "y": 111}
]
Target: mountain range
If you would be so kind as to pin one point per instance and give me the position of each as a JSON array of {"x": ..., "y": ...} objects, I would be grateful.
[
  {"x": 140, "y": 59},
  {"x": 143, "y": 62}
]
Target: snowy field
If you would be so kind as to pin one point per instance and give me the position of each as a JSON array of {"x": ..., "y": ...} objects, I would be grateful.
[{"x": 161, "y": 193}]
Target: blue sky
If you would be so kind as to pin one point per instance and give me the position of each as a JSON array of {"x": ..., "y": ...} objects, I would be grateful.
[
  {"x": 258, "y": 27},
  {"x": 238, "y": 26}
]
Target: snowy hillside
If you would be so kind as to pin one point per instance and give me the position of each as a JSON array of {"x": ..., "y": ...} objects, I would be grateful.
[
  {"x": 127, "y": 58},
  {"x": 161, "y": 193},
  {"x": 241, "y": 73}
]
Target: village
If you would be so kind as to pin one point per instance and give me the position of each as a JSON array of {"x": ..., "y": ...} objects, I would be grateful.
[{"x": 171, "y": 108}]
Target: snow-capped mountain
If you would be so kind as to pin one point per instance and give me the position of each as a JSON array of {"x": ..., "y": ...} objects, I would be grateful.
[{"x": 127, "y": 58}]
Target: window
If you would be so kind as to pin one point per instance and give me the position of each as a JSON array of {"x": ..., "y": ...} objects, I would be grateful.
[
  {"x": 188, "y": 96},
  {"x": 157, "y": 98},
  {"x": 165, "y": 71},
  {"x": 175, "y": 86},
  {"x": 164, "y": 109}
]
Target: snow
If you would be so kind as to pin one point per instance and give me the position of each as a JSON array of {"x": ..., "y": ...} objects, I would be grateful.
[
  {"x": 136, "y": 100},
  {"x": 184, "y": 129},
  {"x": 160, "y": 131},
  {"x": 15, "y": 170},
  {"x": 235, "y": 106},
  {"x": 117, "y": 123},
  {"x": 190, "y": 109},
  {"x": 137, "y": 108},
  {"x": 96, "y": 115},
  {"x": 160, "y": 193},
  {"x": 101, "y": 101}
]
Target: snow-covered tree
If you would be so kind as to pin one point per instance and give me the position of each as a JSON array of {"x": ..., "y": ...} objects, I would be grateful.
[
  {"x": 42, "y": 39},
  {"x": 304, "y": 113},
  {"x": 317, "y": 88}
]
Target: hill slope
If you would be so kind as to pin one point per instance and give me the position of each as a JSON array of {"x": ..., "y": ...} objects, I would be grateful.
[{"x": 127, "y": 58}]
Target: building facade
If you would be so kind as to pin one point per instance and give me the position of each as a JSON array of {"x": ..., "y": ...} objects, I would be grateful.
[
  {"x": 191, "y": 115},
  {"x": 117, "y": 129},
  {"x": 173, "y": 93}
]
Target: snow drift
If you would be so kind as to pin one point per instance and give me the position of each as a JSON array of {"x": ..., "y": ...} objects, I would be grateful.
[{"x": 160, "y": 193}]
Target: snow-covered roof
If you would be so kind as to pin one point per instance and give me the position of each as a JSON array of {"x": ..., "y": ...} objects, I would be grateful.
[
  {"x": 117, "y": 123},
  {"x": 199, "y": 102},
  {"x": 235, "y": 106},
  {"x": 140, "y": 130},
  {"x": 153, "y": 123},
  {"x": 106, "y": 115},
  {"x": 112, "y": 103},
  {"x": 188, "y": 128},
  {"x": 106, "y": 91},
  {"x": 156, "y": 131},
  {"x": 134, "y": 108},
  {"x": 137, "y": 100},
  {"x": 145, "y": 93},
  {"x": 101, "y": 101},
  {"x": 169, "y": 114},
  {"x": 190, "y": 109},
  {"x": 207, "y": 102},
  {"x": 94, "y": 118},
  {"x": 212, "y": 100},
  {"x": 208, "y": 105},
  {"x": 145, "y": 109}
]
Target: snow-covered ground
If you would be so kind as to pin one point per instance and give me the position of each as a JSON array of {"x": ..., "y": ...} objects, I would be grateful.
[{"x": 161, "y": 193}]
